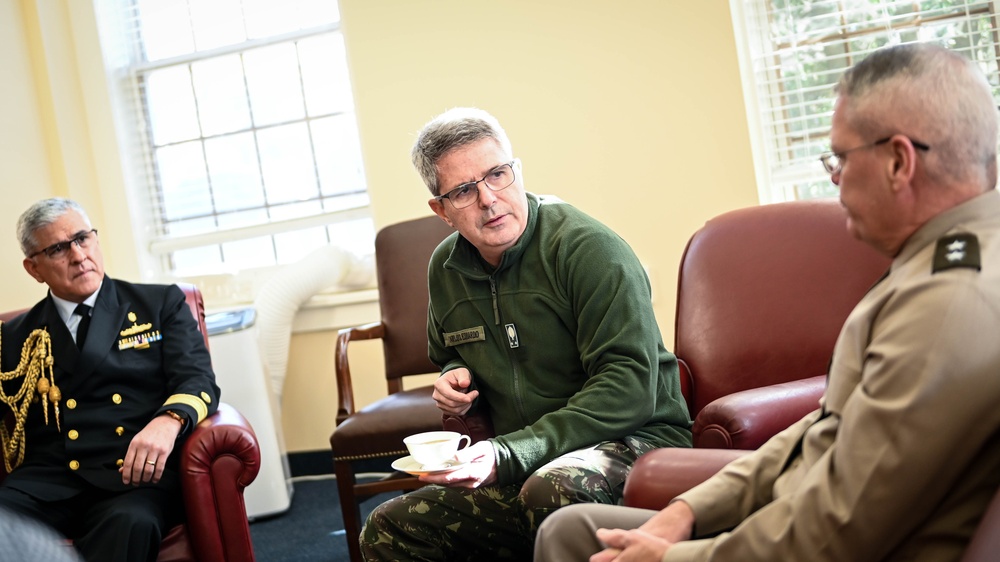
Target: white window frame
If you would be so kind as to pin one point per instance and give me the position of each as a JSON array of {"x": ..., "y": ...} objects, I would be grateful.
[
  {"x": 136, "y": 153},
  {"x": 768, "y": 175}
]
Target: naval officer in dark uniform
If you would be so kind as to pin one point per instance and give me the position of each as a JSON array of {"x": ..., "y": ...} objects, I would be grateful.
[{"x": 133, "y": 377}]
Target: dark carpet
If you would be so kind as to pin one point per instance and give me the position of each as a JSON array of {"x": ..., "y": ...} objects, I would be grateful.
[{"x": 312, "y": 530}]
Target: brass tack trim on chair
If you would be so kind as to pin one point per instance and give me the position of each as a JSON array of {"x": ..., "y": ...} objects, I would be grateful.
[{"x": 371, "y": 456}]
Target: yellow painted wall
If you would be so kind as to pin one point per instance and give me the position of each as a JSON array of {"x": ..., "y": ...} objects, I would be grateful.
[{"x": 632, "y": 111}]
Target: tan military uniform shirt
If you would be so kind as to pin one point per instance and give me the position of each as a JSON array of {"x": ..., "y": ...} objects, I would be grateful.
[{"x": 904, "y": 456}]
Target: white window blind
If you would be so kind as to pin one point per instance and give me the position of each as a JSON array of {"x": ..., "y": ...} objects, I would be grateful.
[
  {"x": 246, "y": 140},
  {"x": 796, "y": 50}
]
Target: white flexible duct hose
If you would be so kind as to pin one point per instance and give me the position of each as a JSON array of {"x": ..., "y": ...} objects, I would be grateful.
[{"x": 282, "y": 295}]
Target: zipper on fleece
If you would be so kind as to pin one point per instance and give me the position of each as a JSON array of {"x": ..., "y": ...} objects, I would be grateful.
[
  {"x": 496, "y": 308},
  {"x": 514, "y": 366}
]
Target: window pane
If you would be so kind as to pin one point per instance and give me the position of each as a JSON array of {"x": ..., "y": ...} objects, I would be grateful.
[
  {"x": 803, "y": 47},
  {"x": 216, "y": 23},
  {"x": 295, "y": 210},
  {"x": 249, "y": 253},
  {"x": 165, "y": 27},
  {"x": 355, "y": 201},
  {"x": 274, "y": 84},
  {"x": 357, "y": 236},
  {"x": 183, "y": 180},
  {"x": 338, "y": 154},
  {"x": 267, "y": 17},
  {"x": 191, "y": 227},
  {"x": 232, "y": 139},
  {"x": 172, "y": 113},
  {"x": 325, "y": 78},
  {"x": 287, "y": 162},
  {"x": 293, "y": 246},
  {"x": 243, "y": 218},
  {"x": 197, "y": 261},
  {"x": 816, "y": 190},
  {"x": 234, "y": 171},
  {"x": 222, "y": 96}
]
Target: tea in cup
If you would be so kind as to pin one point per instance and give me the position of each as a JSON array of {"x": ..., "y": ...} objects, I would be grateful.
[{"x": 435, "y": 448}]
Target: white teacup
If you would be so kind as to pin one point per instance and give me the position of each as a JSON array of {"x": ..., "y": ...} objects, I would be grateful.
[{"x": 435, "y": 448}]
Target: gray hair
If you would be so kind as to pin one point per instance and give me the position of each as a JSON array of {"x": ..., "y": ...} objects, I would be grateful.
[
  {"x": 453, "y": 129},
  {"x": 939, "y": 97},
  {"x": 41, "y": 214}
]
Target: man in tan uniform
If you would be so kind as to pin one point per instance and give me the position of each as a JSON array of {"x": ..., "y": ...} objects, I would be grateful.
[{"x": 903, "y": 456}]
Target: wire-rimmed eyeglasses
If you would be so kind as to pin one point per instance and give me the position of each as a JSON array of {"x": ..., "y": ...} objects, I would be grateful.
[
  {"x": 497, "y": 179},
  {"x": 60, "y": 250},
  {"x": 834, "y": 161}
]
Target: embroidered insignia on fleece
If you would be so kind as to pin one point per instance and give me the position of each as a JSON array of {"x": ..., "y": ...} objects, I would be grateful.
[
  {"x": 956, "y": 250},
  {"x": 464, "y": 336},
  {"x": 512, "y": 336}
]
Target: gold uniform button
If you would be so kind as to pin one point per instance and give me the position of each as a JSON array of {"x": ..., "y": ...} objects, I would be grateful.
[
  {"x": 116, "y": 398},
  {"x": 71, "y": 403},
  {"x": 119, "y": 430},
  {"x": 73, "y": 465},
  {"x": 206, "y": 397},
  {"x": 73, "y": 434},
  {"x": 120, "y": 462}
]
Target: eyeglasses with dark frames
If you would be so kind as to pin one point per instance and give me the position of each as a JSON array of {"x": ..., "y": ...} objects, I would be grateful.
[
  {"x": 59, "y": 250},
  {"x": 497, "y": 179},
  {"x": 834, "y": 161}
]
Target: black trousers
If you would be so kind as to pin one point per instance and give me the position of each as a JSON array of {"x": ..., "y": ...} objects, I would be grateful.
[{"x": 106, "y": 526}]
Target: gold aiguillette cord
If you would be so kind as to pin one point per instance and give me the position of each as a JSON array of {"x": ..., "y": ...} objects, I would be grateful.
[{"x": 36, "y": 362}]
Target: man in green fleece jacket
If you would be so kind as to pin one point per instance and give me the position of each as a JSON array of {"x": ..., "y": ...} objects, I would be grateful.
[{"x": 542, "y": 316}]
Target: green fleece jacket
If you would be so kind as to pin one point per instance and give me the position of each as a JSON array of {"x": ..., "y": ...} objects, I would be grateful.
[{"x": 560, "y": 339}]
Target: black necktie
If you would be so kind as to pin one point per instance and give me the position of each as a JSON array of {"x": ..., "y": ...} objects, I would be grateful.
[{"x": 81, "y": 328}]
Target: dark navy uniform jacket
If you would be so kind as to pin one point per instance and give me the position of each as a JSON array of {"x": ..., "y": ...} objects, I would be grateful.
[{"x": 143, "y": 355}]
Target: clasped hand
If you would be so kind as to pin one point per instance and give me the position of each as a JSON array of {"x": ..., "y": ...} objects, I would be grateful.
[{"x": 650, "y": 541}]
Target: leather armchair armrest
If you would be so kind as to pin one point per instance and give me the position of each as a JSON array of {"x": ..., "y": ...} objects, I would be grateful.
[
  {"x": 663, "y": 474},
  {"x": 342, "y": 367},
  {"x": 746, "y": 419},
  {"x": 218, "y": 461}
]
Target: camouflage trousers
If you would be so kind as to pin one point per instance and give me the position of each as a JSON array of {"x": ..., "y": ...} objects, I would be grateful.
[{"x": 495, "y": 522}]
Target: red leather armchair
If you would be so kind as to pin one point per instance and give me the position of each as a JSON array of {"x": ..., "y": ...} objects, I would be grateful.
[
  {"x": 762, "y": 294},
  {"x": 219, "y": 460}
]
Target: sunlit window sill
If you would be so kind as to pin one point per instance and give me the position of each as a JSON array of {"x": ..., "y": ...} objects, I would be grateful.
[
  {"x": 333, "y": 311},
  {"x": 324, "y": 311}
]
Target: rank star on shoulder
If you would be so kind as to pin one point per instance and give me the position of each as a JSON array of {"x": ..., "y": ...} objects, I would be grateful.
[
  {"x": 956, "y": 246},
  {"x": 955, "y": 255}
]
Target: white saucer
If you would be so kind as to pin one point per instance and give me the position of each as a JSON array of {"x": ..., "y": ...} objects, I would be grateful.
[{"x": 410, "y": 466}]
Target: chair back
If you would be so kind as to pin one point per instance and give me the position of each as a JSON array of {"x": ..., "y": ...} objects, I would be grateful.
[
  {"x": 762, "y": 294},
  {"x": 197, "y": 305},
  {"x": 12, "y": 314},
  {"x": 402, "y": 252}
]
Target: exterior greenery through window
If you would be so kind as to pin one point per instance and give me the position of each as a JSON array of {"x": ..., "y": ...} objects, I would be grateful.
[
  {"x": 797, "y": 50},
  {"x": 248, "y": 135}
]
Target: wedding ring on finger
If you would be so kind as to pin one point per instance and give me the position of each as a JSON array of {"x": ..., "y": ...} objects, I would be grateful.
[{"x": 151, "y": 463}]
